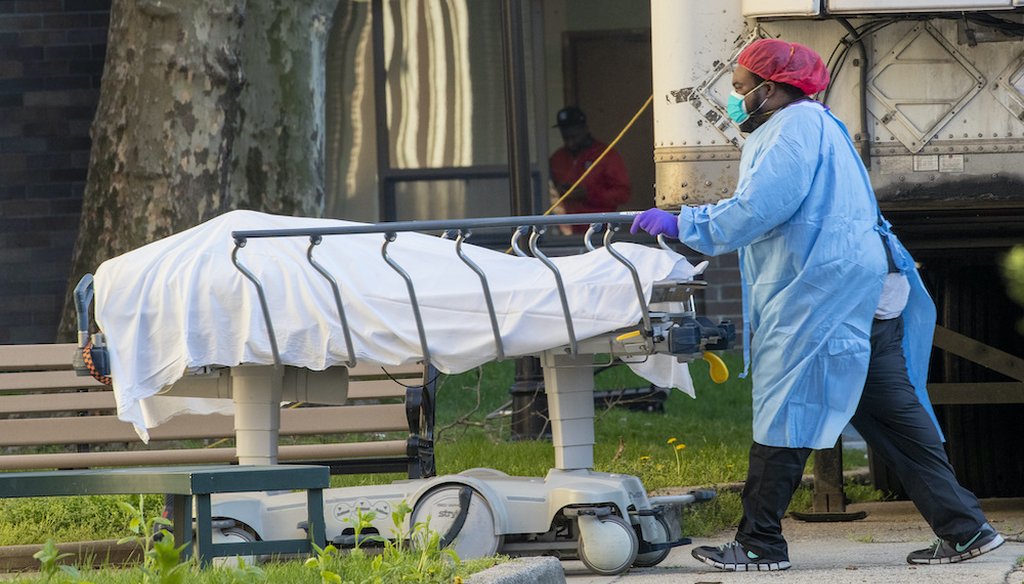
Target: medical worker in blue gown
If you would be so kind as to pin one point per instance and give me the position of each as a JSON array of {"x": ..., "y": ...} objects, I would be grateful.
[{"x": 837, "y": 322}]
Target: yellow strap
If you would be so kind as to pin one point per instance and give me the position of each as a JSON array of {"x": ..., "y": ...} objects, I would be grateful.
[{"x": 629, "y": 335}]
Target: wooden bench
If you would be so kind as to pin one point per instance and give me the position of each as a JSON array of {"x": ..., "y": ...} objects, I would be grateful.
[
  {"x": 51, "y": 418},
  {"x": 184, "y": 483}
]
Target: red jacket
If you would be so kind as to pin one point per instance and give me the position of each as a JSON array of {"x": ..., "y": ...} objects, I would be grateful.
[{"x": 607, "y": 185}]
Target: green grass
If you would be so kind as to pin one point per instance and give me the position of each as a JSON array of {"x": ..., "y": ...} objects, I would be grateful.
[
  {"x": 276, "y": 572},
  {"x": 34, "y": 520},
  {"x": 715, "y": 428}
]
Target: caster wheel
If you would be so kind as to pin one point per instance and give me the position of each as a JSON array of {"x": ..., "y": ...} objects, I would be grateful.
[
  {"x": 608, "y": 545},
  {"x": 441, "y": 507},
  {"x": 659, "y": 534}
]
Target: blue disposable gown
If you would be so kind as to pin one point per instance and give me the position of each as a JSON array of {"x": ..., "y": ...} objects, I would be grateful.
[{"x": 806, "y": 224}]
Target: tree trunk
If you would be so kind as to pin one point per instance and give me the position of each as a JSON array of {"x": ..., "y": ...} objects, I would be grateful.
[{"x": 206, "y": 106}]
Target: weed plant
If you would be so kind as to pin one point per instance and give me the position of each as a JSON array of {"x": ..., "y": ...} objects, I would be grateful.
[{"x": 410, "y": 556}]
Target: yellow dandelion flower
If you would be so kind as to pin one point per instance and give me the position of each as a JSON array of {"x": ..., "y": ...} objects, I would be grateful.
[
  {"x": 672, "y": 440},
  {"x": 680, "y": 446},
  {"x": 644, "y": 458},
  {"x": 457, "y": 580}
]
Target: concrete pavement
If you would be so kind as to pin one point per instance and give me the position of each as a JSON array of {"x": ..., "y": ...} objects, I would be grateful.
[{"x": 872, "y": 550}]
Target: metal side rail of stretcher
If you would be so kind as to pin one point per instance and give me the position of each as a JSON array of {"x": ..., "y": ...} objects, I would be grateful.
[
  {"x": 657, "y": 332},
  {"x": 651, "y": 332}
]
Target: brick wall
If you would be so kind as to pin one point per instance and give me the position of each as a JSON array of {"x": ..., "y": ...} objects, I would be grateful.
[
  {"x": 51, "y": 61},
  {"x": 721, "y": 300}
]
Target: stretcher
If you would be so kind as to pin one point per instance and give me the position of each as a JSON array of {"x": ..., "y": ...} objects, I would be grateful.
[{"x": 606, "y": 520}]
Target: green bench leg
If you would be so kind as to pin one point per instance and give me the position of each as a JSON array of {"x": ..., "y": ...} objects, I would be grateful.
[
  {"x": 182, "y": 519},
  {"x": 204, "y": 547},
  {"x": 183, "y": 527},
  {"x": 204, "y": 530},
  {"x": 315, "y": 508}
]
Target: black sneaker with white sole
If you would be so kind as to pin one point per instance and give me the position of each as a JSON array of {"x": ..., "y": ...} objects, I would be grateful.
[
  {"x": 950, "y": 552},
  {"x": 734, "y": 558}
]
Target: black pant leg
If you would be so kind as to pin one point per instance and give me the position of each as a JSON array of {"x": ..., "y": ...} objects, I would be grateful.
[
  {"x": 773, "y": 476},
  {"x": 896, "y": 426}
]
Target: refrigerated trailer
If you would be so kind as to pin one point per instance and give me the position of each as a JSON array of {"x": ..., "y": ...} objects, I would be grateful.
[{"x": 932, "y": 93}]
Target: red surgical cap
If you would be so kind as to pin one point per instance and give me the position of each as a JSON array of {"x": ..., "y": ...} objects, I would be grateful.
[{"x": 783, "y": 62}]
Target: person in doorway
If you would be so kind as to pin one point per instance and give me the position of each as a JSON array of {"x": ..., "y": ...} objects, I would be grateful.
[
  {"x": 838, "y": 324},
  {"x": 605, "y": 187}
]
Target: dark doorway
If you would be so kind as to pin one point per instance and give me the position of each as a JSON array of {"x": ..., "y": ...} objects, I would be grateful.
[{"x": 608, "y": 75}]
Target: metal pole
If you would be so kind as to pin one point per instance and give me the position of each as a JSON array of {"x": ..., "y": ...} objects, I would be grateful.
[
  {"x": 385, "y": 186},
  {"x": 829, "y": 497},
  {"x": 529, "y": 403},
  {"x": 540, "y": 103},
  {"x": 518, "y": 128},
  {"x": 828, "y": 480}
]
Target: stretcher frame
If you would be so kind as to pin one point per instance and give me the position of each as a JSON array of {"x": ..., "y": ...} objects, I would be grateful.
[
  {"x": 606, "y": 520},
  {"x": 568, "y": 452}
]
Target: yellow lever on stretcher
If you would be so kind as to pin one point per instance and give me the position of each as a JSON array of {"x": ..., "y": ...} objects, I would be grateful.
[
  {"x": 629, "y": 335},
  {"x": 719, "y": 372}
]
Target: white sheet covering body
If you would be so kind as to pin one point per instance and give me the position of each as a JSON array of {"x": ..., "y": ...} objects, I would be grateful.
[{"x": 179, "y": 303}]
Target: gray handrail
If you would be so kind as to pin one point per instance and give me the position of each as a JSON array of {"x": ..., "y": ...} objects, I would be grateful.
[
  {"x": 464, "y": 235},
  {"x": 442, "y": 224},
  {"x": 389, "y": 237},
  {"x": 313, "y": 242},
  {"x": 664, "y": 244},
  {"x": 515, "y": 241},
  {"x": 263, "y": 301},
  {"x": 636, "y": 278},
  {"x": 691, "y": 304},
  {"x": 534, "y": 236},
  {"x": 522, "y": 224},
  {"x": 594, "y": 228}
]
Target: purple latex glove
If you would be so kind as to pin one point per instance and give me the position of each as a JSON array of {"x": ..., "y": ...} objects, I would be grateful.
[{"x": 656, "y": 222}]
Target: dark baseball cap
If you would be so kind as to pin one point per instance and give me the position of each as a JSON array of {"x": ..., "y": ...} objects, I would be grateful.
[{"x": 570, "y": 116}]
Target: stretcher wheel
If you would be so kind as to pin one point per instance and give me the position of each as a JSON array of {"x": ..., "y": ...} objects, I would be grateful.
[
  {"x": 659, "y": 534},
  {"x": 476, "y": 537},
  {"x": 608, "y": 545},
  {"x": 233, "y": 534}
]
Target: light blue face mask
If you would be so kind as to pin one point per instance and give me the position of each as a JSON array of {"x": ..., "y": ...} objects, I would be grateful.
[{"x": 736, "y": 107}]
